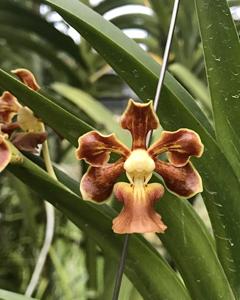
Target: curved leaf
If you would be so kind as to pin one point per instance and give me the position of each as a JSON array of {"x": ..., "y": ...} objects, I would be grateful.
[
  {"x": 151, "y": 43},
  {"x": 105, "y": 6},
  {"x": 7, "y": 295},
  {"x": 195, "y": 256},
  {"x": 222, "y": 60},
  {"x": 139, "y": 21},
  {"x": 194, "y": 85}
]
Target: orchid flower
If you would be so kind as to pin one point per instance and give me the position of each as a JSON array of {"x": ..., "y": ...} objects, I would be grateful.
[
  {"x": 32, "y": 132},
  {"x": 139, "y": 196}
]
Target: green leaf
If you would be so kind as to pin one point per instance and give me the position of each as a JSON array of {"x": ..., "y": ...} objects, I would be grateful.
[
  {"x": 6, "y": 295},
  {"x": 221, "y": 50},
  {"x": 131, "y": 63},
  {"x": 193, "y": 84},
  {"x": 188, "y": 243},
  {"x": 105, "y": 6},
  {"x": 145, "y": 268},
  {"x": 151, "y": 43},
  {"x": 92, "y": 108},
  {"x": 139, "y": 21}
]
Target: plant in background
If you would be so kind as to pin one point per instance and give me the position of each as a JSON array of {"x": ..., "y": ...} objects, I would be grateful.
[
  {"x": 27, "y": 132},
  {"x": 77, "y": 82}
]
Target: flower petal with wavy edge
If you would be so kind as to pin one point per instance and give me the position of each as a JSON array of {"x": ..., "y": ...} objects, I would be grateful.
[
  {"x": 5, "y": 154},
  {"x": 139, "y": 119},
  {"x": 138, "y": 215},
  {"x": 97, "y": 183},
  {"x": 9, "y": 107},
  {"x": 183, "y": 181},
  {"x": 28, "y": 141},
  {"x": 27, "y": 78},
  {"x": 180, "y": 145},
  {"x": 95, "y": 148}
]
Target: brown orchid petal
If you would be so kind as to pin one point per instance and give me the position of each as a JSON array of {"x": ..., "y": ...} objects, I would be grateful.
[
  {"x": 9, "y": 107},
  {"x": 138, "y": 215},
  {"x": 95, "y": 148},
  {"x": 97, "y": 183},
  {"x": 183, "y": 181},
  {"x": 139, "y": 119},
  {"x": 9, "y": 128},
  {"x": 28, "y": 141},
  {"x": 180, "y": 145},
  {"x": 5, "y": 154},
  {"x": 27, "y": 78}
]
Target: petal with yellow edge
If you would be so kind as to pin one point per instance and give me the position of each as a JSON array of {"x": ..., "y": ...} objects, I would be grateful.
[
  {"x": 95, "y": 148},
  {"x": 27, "y": 78},
  {"x": 180, "y": 145},
  {"x": 9, "y": 107},
  {"x": 138, "y": 214},
  {"x": 97, "y": 183},
  {"x": 139, "y": 119},
  {"x": 5, "y": 154},
  {"x": 183, "y": 181}
]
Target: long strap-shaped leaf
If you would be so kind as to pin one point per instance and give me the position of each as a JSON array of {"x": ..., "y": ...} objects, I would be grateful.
[
  {"x": 107, "y": 5},
  {"x": 7, "y": 295},
  {"x": 197, "y": 261},
  {"x": 221, "y": 50},
  {"x": 151, "y": 275}
]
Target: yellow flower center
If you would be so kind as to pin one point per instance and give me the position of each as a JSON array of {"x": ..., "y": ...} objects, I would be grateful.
[{"x": 139, "y": 167}]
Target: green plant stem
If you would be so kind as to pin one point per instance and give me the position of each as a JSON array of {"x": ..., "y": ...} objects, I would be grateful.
[
  {"x": 49, "y": 231},
  {"x": 91, "y": 263}
]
